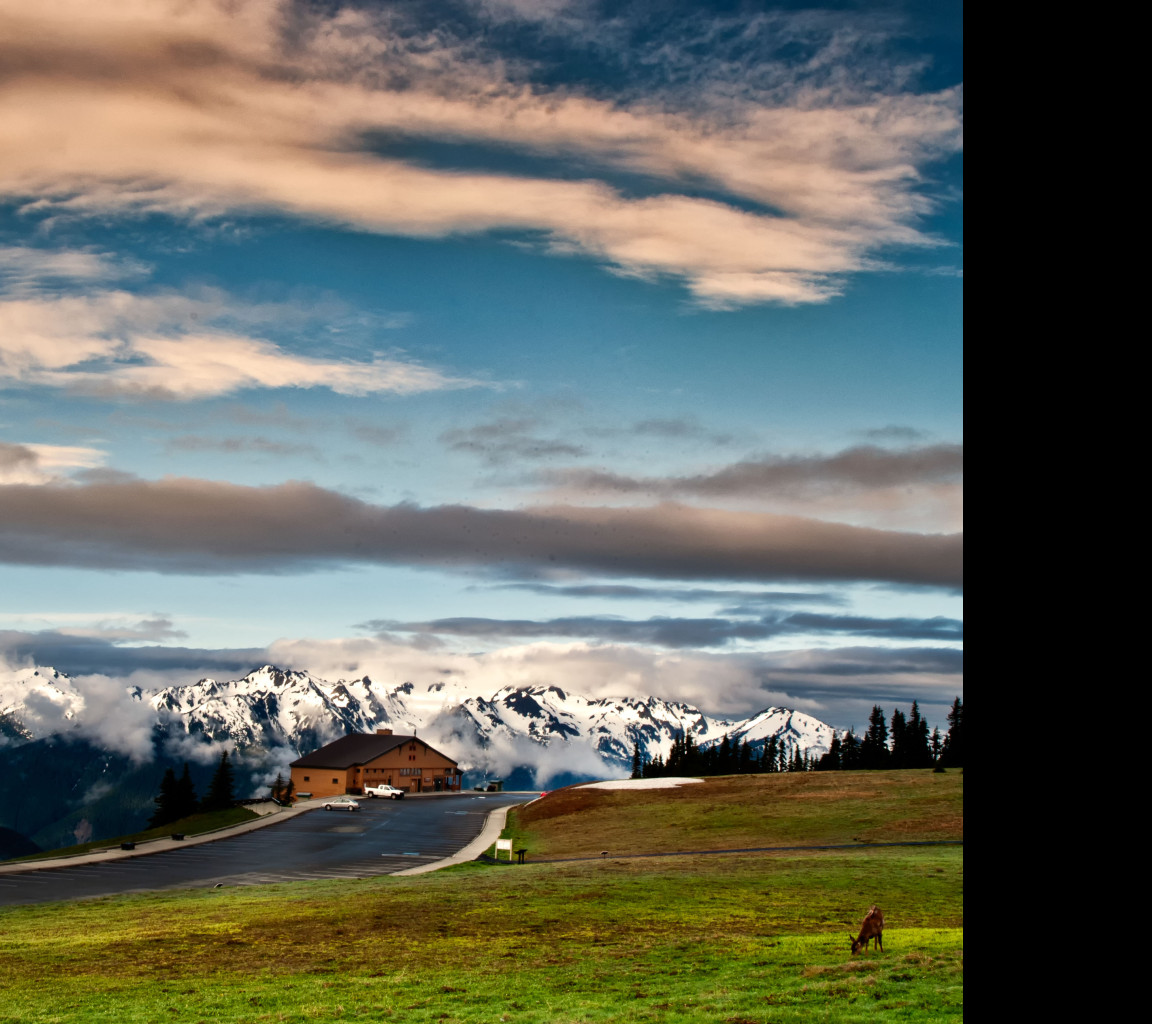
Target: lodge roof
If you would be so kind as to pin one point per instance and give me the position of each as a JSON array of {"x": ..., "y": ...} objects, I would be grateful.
[{"x": 356, "y": 748}]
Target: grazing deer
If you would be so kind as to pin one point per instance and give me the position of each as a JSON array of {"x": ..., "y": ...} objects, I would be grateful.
[{"x": 872, "y": 928}]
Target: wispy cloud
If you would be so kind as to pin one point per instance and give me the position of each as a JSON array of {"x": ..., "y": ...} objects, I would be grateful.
[
  {"x": 859, "y": 468},
  {"x": 667, "y": 631},
  {"x": 507, "y": 440},
  {"x": 44, "y": 463},
  {"x": 242, "y": 445},
  {"x": 196, "y": 109},
  {"x": 895, "y": 432},
  {"x": 912, "y": 487},
  {"x": 25, "y": 270},
  {"x": 172, "y": 346},
  {"x": 629, "y": 592}
]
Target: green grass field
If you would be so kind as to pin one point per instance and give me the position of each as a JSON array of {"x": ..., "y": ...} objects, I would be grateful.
[
  {"x": 742, "y": 811},
  {"x": 732, "y": 938}
]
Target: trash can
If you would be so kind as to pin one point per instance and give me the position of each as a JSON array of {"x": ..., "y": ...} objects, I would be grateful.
[{"x": 127, "y": 846}]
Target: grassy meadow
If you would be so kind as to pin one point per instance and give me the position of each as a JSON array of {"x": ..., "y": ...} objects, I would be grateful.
[
  {"x": 733, "y": 938},
  {"x": 742, "y": 811}
]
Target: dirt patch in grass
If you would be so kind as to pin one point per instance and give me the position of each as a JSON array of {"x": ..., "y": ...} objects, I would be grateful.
[{"x": 849, "y": 967}]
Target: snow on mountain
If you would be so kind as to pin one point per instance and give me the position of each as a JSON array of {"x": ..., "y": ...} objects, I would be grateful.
[
  {"x": 792, "y": 728},
  {"x": 275, "y": 715},
  {"x": 549, "y": 715},
  {"x": 36, "y": 701}
]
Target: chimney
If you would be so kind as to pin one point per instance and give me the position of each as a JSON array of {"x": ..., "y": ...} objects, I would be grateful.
[{"x": 383, "y": 732}]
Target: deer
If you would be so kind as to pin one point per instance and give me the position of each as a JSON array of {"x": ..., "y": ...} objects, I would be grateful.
[{"x": 872, "y": 928}]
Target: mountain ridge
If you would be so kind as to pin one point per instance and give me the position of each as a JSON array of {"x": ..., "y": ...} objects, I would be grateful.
[{"x": 271, "y": 712}]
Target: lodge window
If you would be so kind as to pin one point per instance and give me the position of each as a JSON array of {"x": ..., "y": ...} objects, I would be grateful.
[
  {"x": 306, "y": 779},
  {"x": 335, "y": 780}
]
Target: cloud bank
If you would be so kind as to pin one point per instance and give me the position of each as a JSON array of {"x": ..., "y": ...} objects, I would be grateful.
[{"x": 197, "y": 526}]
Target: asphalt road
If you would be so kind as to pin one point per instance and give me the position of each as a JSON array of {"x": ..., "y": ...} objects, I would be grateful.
[{"x": 384, "y": 836}]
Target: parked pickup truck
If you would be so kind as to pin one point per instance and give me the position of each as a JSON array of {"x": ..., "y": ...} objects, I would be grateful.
[{"x": 383, "y": 790}]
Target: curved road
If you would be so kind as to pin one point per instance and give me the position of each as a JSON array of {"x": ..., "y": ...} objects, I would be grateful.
[{"x": 383, "y": 837}]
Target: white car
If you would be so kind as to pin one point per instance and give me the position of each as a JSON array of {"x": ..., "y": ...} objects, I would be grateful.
[
  {"x": 384, "y": 790},
  {"x": 342, "y": 803}
]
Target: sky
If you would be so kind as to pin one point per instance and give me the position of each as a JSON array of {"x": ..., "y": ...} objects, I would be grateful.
[{"x": 535, "y": 342}]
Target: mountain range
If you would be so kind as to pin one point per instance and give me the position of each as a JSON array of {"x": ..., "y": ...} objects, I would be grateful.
[{"x": 530, "y": 736}]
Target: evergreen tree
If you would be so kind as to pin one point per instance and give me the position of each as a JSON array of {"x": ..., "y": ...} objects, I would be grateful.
[
  {"x": 281, "y": 790},
  {"x": 768, "y": 756},
  {"x": 709, "y": 760},
  {"x": 830, "y": 762},
  {"x": 900, "y": 754},
  {"x": 874, "y": 746},
  {"x": 220, "y": 794},
  {"x": 692, "y": 756},
  {"x": 165, "y": 801},
  {"x": 953, "y": 753},
  {"x": 637, "y": 761},
  {"x": 186, "y": 801},
  {"x": 936, "y": 745},
  {"x": 850, "y": 751},
  {"x": 918, "y": 749},
  {"x": 724, "y": 764}
]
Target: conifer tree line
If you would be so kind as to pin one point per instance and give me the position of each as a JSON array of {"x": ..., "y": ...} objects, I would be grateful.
[
  {"x": 177, "y": 797},
  {"x": 900, "y": 742}
]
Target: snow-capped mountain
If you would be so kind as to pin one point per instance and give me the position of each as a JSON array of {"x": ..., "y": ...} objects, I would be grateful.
[
  {"x": 271, "y": 709},
  {"x": 551, "y": 717},
  {"x": 274, "y": 715},
  {"x": 793, "y": 729}
]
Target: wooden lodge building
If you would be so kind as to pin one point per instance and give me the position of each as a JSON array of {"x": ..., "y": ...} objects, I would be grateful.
[{"x": 348, "y": 764}]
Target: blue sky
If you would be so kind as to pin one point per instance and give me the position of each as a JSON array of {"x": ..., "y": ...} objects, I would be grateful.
[{"x": 610, "y": 345}]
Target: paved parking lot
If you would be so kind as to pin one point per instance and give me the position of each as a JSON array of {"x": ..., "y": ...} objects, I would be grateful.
[{"x": 383, "y": 837}]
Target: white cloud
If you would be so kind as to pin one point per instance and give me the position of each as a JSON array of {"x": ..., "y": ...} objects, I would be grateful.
[
  {"x": 27, "y": 270},
  {"x": 93, "y": 707},
  {"x": 719, "y": 684},
  {"x": 42, "y": 463},
  {"x": 165, "y": 346}
]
